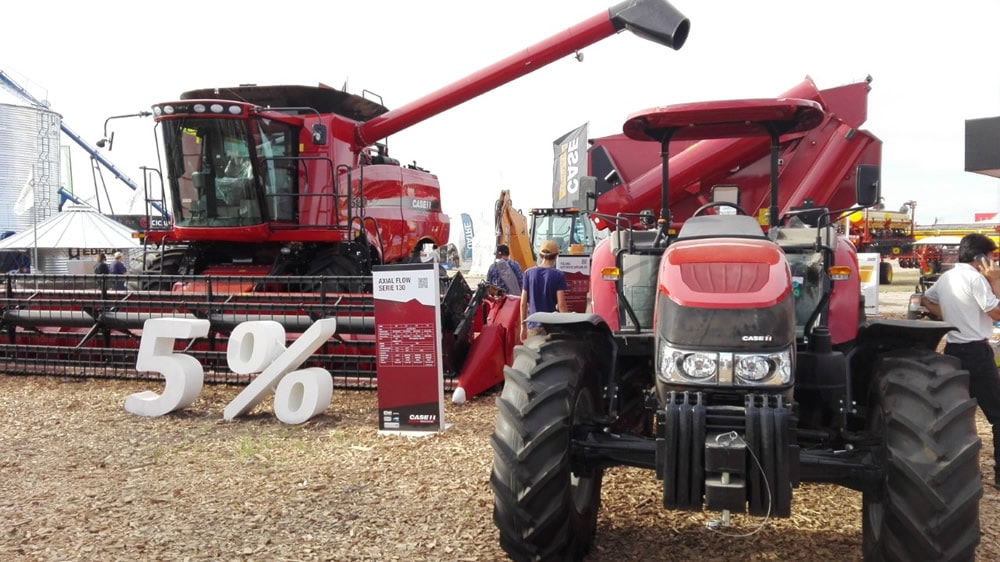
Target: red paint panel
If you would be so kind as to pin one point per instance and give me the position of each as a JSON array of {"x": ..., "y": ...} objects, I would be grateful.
[
  {"x": 724, "y": 250},
  {"x": 725, "y": 273},
  {"x": 724, "y": 277}
]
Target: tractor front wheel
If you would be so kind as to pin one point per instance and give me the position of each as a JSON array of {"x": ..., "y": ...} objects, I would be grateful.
[
  {"x": 545, "y": 504},
  {"x": 927, "y": 505}
]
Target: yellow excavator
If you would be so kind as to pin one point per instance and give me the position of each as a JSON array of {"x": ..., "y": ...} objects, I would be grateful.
[{"x": 512, "y": 231}]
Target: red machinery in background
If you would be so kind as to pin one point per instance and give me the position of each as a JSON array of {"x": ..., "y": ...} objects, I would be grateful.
[
  {"x": 814, "y": 162},
  {"x": 890, "y": 234}
]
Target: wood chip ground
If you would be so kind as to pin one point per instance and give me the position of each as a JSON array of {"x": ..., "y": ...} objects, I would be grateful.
[
  {"x": 85, "y": 480},
  {"x": 82, "y": 479}
]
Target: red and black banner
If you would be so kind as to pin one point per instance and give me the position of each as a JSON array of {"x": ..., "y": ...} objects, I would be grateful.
[{"x": 408, "y": 347}]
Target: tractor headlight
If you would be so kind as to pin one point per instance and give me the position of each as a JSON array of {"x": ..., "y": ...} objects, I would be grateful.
[
  {"x": 689, "y": 366},
  {"x": 677, "y": 366},
  {"x": 699, "y": 365},
  {"x": 773, "y": 368}
]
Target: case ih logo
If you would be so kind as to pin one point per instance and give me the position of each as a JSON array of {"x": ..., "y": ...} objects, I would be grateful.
[
  {"x": 423, "y": 418},
  {"x": 142, "y": 222},
  {"x": 756, "y": 338},
  {"x": 158, "y": 223}
]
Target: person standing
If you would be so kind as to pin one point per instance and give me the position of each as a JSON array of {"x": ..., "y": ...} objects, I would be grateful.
[
  {"x": 968, "y": 297},
  {"x": 118, "y": 268},
  {"x": 505, "y": 272},
  {"x": 102, "y": 265},
  {"x": 544, "y": 289}
]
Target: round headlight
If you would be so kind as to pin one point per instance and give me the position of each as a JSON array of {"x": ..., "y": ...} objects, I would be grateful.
[
  {"x": 753, "y": 368},
  {"x": 699, "y": 365},
  {"x": 216, "y": 108}
]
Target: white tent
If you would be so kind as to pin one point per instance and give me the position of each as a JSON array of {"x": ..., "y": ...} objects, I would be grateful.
[{"x": 77, "y": 226}]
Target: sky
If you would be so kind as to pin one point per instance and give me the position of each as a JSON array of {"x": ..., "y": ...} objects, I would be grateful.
[{"x": 933, "y": 65}]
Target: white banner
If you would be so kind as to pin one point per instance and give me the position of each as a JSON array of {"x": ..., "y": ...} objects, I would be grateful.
[{"x": 868, "y": 270}]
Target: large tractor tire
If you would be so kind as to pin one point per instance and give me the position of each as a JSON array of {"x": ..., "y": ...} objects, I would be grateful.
[
  {"x": 168, "y": 262},
  {"x": 927, "y": 506},
  {"x": 544, "y": 506},
  {"x": 885, "y": 273},
  {"x": 328, "y": 263}
]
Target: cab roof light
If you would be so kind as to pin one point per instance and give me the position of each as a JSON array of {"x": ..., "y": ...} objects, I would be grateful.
[{"x": 556, "y": 211}]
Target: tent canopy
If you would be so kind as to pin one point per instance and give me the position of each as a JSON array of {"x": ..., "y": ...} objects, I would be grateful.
[{"x": 77, "y": 226}]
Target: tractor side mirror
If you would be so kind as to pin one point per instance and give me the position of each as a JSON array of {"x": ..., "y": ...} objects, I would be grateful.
[
  {"x": 588, "y": 193},
  {"x": 319, "y": 134},
  {"x": 868, "y": 188}
]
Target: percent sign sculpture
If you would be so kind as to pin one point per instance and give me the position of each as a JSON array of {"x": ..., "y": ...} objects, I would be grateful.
[{"x": 254, "y": 347}]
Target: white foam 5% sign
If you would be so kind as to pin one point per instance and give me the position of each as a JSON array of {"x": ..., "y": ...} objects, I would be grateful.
[{"x": 256, "y": 346}]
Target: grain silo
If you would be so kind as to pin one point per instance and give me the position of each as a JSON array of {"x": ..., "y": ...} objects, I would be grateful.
[{"x": 29, "y": 153}]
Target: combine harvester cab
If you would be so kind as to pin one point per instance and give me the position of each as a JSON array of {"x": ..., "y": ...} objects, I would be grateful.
[
  {"x": 735, "y": 361},
  {"x": 281, "y": 202}
]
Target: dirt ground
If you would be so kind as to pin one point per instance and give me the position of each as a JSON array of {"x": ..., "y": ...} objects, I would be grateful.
[{"x": 82, "y": 479}]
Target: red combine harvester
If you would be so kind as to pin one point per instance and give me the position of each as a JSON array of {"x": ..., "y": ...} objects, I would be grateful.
[
  {"x": 281, "y": 201},
  {"x": 732, "y": 359},
  {"x": 291, "y": 180}
]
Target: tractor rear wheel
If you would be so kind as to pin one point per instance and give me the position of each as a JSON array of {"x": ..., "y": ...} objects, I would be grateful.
[
  {"x": 545, "y": 505},
  {"x": 885, "y": 273},
  {"x": 927, "y": 506}
]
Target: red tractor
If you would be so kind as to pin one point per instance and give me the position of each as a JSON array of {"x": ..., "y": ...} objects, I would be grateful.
[
  {"x": 732, "y": 358},
  {"x": 292, "y": 180}
]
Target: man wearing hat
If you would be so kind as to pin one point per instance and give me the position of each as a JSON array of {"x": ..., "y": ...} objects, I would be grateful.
[
  {"x": 544, "y": 289},
  {"x": 118, "y": 268},
  {"x": 505, "y": 272}
]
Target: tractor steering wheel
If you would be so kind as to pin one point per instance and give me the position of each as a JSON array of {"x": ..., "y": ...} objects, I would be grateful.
[{"x": 714, "y": 204}]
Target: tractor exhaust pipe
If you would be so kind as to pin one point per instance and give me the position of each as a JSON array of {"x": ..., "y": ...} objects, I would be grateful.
[{"x": 655, "y": 20}]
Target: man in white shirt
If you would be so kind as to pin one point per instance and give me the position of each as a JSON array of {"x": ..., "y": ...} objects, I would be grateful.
[{"x": 968, "y": 298}]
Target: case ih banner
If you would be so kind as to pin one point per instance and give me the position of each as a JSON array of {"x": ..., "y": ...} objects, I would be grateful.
[
  {"x": 408, "y": 347},
  {"x": 469, "y": 233},
  {"x": 569, "y": 163}
]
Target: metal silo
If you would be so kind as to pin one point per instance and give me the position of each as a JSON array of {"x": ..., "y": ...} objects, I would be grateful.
[{"x": 29, "y": 151}]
